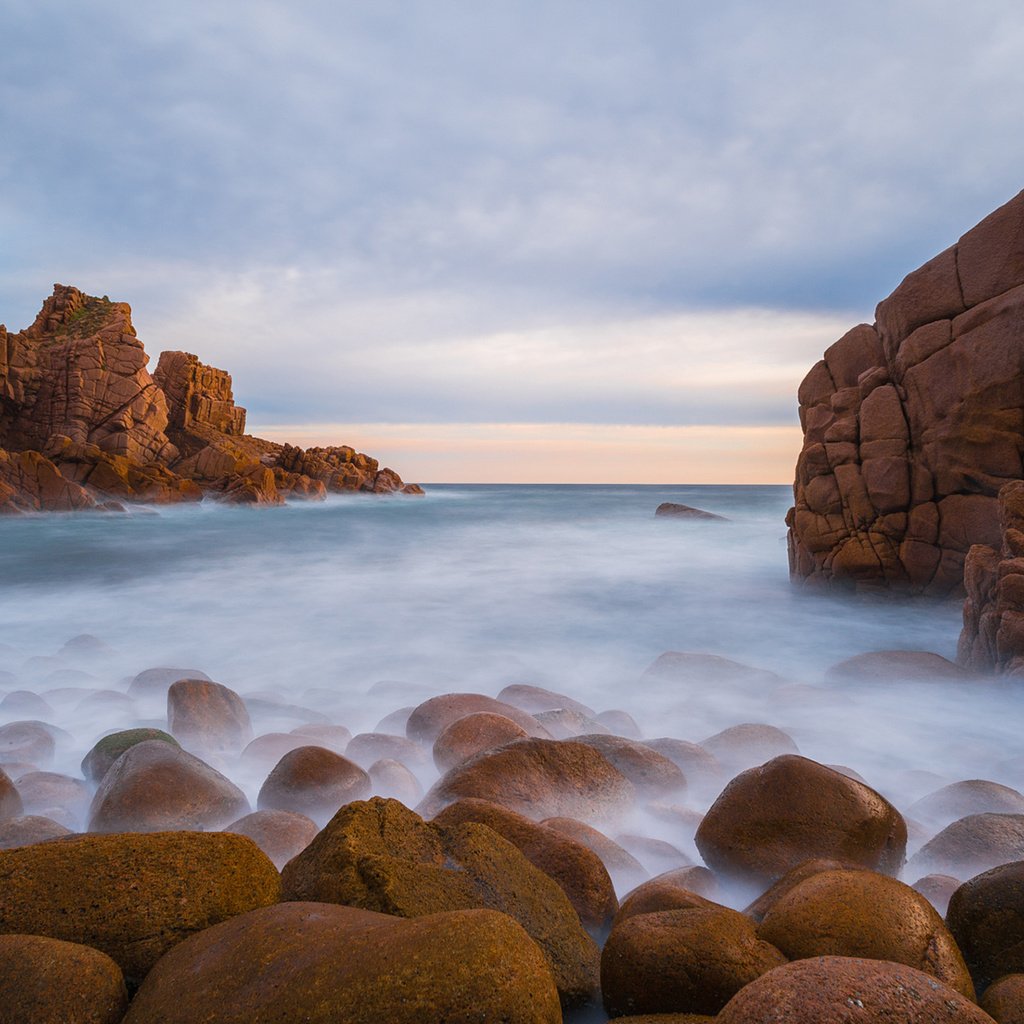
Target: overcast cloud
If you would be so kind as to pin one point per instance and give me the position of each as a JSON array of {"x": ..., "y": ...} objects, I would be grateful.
[{"x": 637, "y": 212}]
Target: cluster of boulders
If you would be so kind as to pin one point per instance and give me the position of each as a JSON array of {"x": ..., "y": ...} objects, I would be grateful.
[
  {"x": 913, "y": 424},
  {"x": 84, "y": 425},
  {"x": 480, "y": 858}
]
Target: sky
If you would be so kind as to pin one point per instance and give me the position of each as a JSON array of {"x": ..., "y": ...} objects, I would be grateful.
[{"x": 554, "y": 241}]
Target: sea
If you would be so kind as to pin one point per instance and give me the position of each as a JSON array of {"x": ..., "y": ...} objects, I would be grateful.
[{"x": 349, "y": 609}]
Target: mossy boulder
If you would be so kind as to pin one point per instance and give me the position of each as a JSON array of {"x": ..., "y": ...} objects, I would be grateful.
[{"x": 108, "y": 749}]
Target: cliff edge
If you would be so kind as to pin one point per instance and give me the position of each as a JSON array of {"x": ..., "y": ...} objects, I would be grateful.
[
  {"x": 84, "y": 424},
  {"x": 914, "y": 423}
]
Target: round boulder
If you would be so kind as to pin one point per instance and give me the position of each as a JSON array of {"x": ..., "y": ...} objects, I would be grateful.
[
  {"x": 1004, "y": 999},
  {"x": 937, "y": 890},
  {"x": 27, "y": 829},
  {"x": 653, "y": 774},
  {"x": 391, "y": 778},
  {"x": 986, "y": 917},
  {"x": 279, "y": 834},
  {"x": 537, "y": 698},
  {"x": 313, "y": 781},
  {"x": 433, "y": 716},
  {"x": 155, "y": 682},
  {"x": 540, "y": 779},
  {"x": 864, "y": 914},
  {"x": 749, "y": 744},
  {"x": 625, "y": 870},
  {"x": 26, "y": 743},
  {"x": 47, "y": 981},
  {"x": 971, "y": 845},
  {"x": 473, "y": 734},
  {"x": 960, "y": 799},
  {"x": 669, "y": 891},
  {"x": 10, "y": 800},
  {"x": 154, "y": 786},
  {"x": 133, "y": 896},
  {"x": 334, "y": 963},
  {"x": 367, "y": 747},
  {"x": 682, "y": 961},
  {"x": 204, "y": 715},
  {"x": 848, "y": 990},
  {"x": 266, "y": 750},
  {"x": 42, "y": 791},
  {"x": 773, "y": 817}
]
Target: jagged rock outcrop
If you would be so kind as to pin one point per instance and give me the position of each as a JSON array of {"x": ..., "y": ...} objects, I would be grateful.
[
  {"x": 993, "y": 635},
  {"x": 913, "y": 424},
  {"x": 83, "y": 424}
]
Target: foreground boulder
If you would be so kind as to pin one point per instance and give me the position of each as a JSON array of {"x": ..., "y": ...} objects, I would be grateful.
[
  {"x": 864, "y": 914},
  {"x": 539, "y": 779},
  {"x": 47, "y": 981},
  {"x": 380, "y": 856},
  {"x": 986, "y": 917},
  {"x": 1004, "y": 999},
  {"x": 340, "y": 965},
  {"x": 770, "y": 818},
  {"x": 682, "y": 961},
  {"x": 576, "y": 868},
  {"x": 132, "y": 896},
  {"x": 848, "y": 990},
  {"x": 155, "y": 786},
  {"x": 913, "y": 424}
]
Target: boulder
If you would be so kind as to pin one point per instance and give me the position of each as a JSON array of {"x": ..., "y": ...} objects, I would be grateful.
[
  {"x": 540, "y": 779},
  {"x": 672, "y": 890},
  {"x": 749, "y": 744},
  {"x": 47, "y": 981},
  {"x": 567, "y": 723},
  {"x": 656, "y": 855},
  {"x": 986, "y": 917},
  {"x": 43, "y": 791},
  {"x": 313, "y": 781},
  {"x": 702, "y": 769},
  {"x": 673, "y": 961},
  {"x": 24, "y": 704},
  {"x": 652, "y": 774},
  {"x": 333, "y": 737},
  {"x": 27, "y": 743},
  {"x": 937, "y": 890},
  {"x": 536, "y": 698},
  {"x": 621, "y": 723},
  {"x": 334, "y": 963},
  {"x": 367, "y": 747},
  {"x": 265, "y": 751},
  {"x": 971, "y": 845},
  {"x": 674, "y": 510},
  {"x": 279, "y": 834},
  {"x": 960, "y": 799},
  {"x": 1003, "y": 1000},
  {"x": 696, "y": 668},
  {"x": 471, "y": 735},
  {"x": 109, "y": 748},
  {"x": 155, "y": 682},
  {"x": 155, "y": 786},
  {"x": 770, "y": 818},
  {"x": 132, "y": 896},
  {"x": 896, "y": 666},
  {"x": 791, "y": 879},
  {"x": 625, "y": 870},
  {"x": 391, "y": 778},
  {"x": 379, "y": 855},
  {"x": 206, "y": 716},
  {"x": 10, "y": 800},
  {"x": 27, "y": 829},
  {"x": 577, "y": 869},
  {"x": 864, "y": 914},
  {"x": 848, "y": 990},
  {"x": 913, "y": 424},
  {"x": 433, "y": 716}
]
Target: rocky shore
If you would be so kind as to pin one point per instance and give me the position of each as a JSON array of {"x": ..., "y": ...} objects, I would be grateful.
[
  {"x": 214, "y": 855},
  {"x": 83, "y": 424}
]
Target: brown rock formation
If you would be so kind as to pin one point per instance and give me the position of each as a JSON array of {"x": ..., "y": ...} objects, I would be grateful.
[
  {"x": 82, "y": 423},
  {"x": 913, "y": 424}
]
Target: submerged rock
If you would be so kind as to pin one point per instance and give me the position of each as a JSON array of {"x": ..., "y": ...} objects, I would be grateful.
[{"x": 674, "y": 510}]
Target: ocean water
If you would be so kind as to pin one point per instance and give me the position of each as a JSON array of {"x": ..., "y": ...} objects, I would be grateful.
[{"x": 357, "y": 606}]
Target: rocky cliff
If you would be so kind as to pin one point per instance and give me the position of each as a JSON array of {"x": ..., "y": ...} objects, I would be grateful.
[
  {"x": 83, "y": 424},
  {"x": 914, "y": 423}
]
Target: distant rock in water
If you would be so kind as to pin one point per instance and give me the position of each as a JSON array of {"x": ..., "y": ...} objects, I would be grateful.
[
  {"x": 676, "y": 511},
  {"x": 913, "y": 424},
  {"x": 84, "y": 425}
]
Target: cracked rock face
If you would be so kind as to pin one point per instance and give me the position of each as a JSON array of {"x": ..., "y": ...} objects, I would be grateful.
[{"x": 913, "y": 424}]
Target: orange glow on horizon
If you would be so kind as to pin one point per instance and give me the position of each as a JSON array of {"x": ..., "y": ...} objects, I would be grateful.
[{"x": 563, "y": 452}]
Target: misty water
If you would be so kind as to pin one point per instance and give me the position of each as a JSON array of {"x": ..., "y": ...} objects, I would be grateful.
[{"x": 346, "y": 610}]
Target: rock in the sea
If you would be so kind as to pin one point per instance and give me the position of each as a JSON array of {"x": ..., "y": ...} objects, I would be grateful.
[
  {"x": 937, "y": 890},
  {"x": 367, "y": 747},
  {"x": 674, "y": 510},
  {"x": 770, "y": 818},
  {"x": 1004, "y": 999},
  {"x": 27, "y": 829},
  {"x": 207, "y": 716},
  {"x": 577, "y": 869},
  {"x": 748, "y": 744},
  {"x": 625, "y": 870},
  {"x": 10, "y": 800},
  {"x": 334, "y": 963},
  {"x": 652, "y": 774},
  {"x": 986, "y": 917},
  {"x": 433, "y": 716},
  {"x": 313, "y": 781},
  {"x": 864, "y": 914},
  {"x": 155, "y": 682},
  {"x": 912, "y": 425},
  {"x": 672, "y": 890},
  {"x": 132, "y": 896},
  {"x": 896, "y": 666},
  {"x": 849, "y": 990},
  {"x": 538, "y": 698},
  {"x": 279, "y": 834},
  {"x": 539, "y": 779},
  {"x": 960, "y": 799},
  {"x": 791, "y": 879},
  {"x": 155, "y": 786},
  {"x": 682, "y": 961},
  {"x": 48, "y": 981},
  {"x": 971, "y": 845},
  {"x": 43, "y": 791},
  {"x": 379, "y": 855},
  {"x": 26, "y": 742},
  {"x": 472, "y": 734}
]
